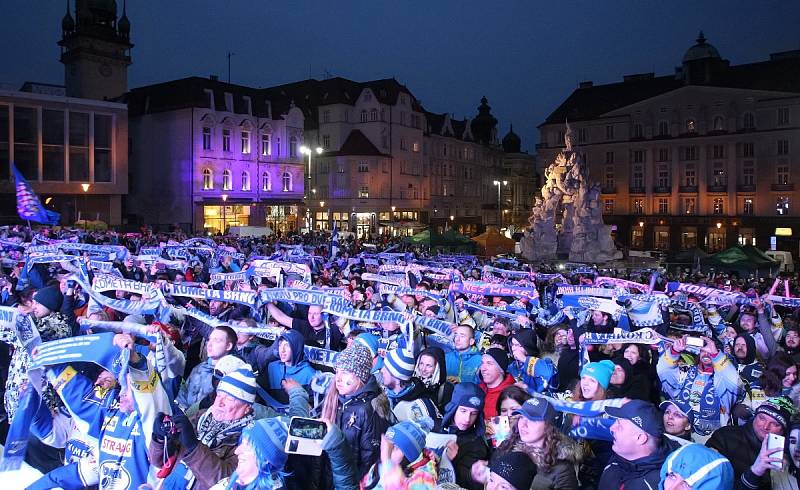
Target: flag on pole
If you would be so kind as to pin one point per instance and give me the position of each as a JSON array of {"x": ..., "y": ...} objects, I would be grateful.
[
  {"x": 334, "y": 241},
  {"x": 28, "y": 205}
]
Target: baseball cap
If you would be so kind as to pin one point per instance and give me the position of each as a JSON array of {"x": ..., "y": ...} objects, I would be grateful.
[
  {"x": 537, "y": 410},
  {"x": 642, "y": 414}
]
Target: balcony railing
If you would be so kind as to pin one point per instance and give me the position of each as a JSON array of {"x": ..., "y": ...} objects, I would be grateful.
[
  {"x": 717, "y": 187},
  {"x": 637, "y": 190},
  {"x": 782, "y": 187},
  {"x": 746, "y": 188},
  {"x": 662, "y": 189},
  {"x": 688, "y": 188},
  {"x": 609, "y": 190}
]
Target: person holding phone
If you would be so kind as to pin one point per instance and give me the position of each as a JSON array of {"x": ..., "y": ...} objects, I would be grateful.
[{"x": 746, "y": 446}]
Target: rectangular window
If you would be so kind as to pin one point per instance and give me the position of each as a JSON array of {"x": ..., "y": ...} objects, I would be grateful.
[
  {"x": 748, "y": 173},
  {"x": 638, "y": 156},
  {"x": 662, "y": 240},
  {"x": 663, "y": 205},
  {"x": 718, "y": 177},
  {"x": 102, "y": 148},
  {"x": 265, "y": 149},
  {"x": 747, "y": 206},
  {"x": 663, "y": 176},
  {"x": 610, "y": 132},
  {"x": 718, "y": 151},
  {"x": 25, "y": 142},
  {"x": 583, "y": 135},
  {"x": 415, "y": 147},
  {"x": 637, "y": 177},
  {"x": 226, "y": 140},
  {"x": 326, "y": 141},
  {"x": 748, "y": 150},
  {"x": 403, "y": 144},
  {"x": 610, "y": 181},
  {"x": 638, "y": 206},
  {"x": 608, "y": 206},
  {"x": 718, "y": 206},
  {"x": 609, "y": 157},
  {"x": 782, "y": 174},
  {"x": 689, "y": 153},
  {"x": 245, "y": 142},
  {"x": 783, "y": 147},
  {"x": 637, "y": 237},
  {"x": 782, "y": 205},
  {"x": 363, "y": 192},
  {"x": 78, "y": 147},
  {"x": 689, "y": 205},
  {"x": 638, "y": 131},
  {"x": 690, "y": 175},
  {"x": 783, "y": 116},
  {"x": 363, "y": 166},
  {"x": 326, "y": 116},
  {"x": 688, "y": 239},
  {"x": 206, "y": 138},
  {"x": 663, "y": 154},
  {"x": 663, "y": 128},
  {"x": 53, "y": 145}
]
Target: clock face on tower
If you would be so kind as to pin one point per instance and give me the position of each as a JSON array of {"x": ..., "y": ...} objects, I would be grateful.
[{"x": 104, "y": 70}]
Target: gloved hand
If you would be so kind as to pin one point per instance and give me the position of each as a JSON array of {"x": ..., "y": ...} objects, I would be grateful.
[
  {"x": 186, "y": 432},
  {"x": 158, "y": 427}
]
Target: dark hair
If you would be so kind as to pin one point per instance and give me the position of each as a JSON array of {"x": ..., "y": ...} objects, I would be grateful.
[
  {"x": 230, "y": 333},
  {"x": 772, "y": 378},
  {"x": 513, "y": 392},
  {"x": 544, "y": 459}
]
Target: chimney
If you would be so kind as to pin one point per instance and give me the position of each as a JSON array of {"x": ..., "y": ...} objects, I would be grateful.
[{"x": 586, "y": 84}]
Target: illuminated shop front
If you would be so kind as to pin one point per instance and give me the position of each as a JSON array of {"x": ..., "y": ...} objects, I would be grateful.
[
  {"x": 282, "y": 218},
  {"x": 218, "y": 218}
]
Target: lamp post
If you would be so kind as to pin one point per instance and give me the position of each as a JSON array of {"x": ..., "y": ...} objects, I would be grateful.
[
  {"x": 307, "y": 151},
  {"x": 85, "y": 188},
  {"x": 498, "y": 183},
  {"x": 224, "y": 213}
]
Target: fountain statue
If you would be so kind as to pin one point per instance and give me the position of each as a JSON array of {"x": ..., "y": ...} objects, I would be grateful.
[{"x": 567, "y": 219}]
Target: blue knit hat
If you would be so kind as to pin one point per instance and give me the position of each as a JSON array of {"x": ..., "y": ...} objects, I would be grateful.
[
  {"x": 599, "y": 371},
  {"x": 268, "y": 438},
  {"x": 369, "y": 341},
  {"x": 702, "y": 468},
  {"x": 409, "y": 436},
  {"x": 240, "y": 384},
  {"x": 400, "y": 363}
]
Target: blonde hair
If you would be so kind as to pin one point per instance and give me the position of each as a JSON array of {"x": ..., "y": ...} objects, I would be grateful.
[{"x": 330, "y": 405}]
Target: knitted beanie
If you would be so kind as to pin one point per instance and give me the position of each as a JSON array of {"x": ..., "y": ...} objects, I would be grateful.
[
  {"x": 409, "y": 436},
  {"x": 500, "y": 357},
  {"x": 49, "y": 297},
  {"x": 240, "y": 384},
  {"x": 369, "y": 341},
  {"x": 599, "y": 371},
  {"x": 514, "y": 467},
  {"x": 355, "y": 359},
  {"x": 268, "y": 438},
  {"x": 400, "y": 363},
  {"x": 779, "y": 408},
  {"x": 228, "y": 364}
]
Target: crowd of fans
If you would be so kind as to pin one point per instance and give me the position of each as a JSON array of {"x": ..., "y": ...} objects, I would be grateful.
[{"x": 499, "y": 374}]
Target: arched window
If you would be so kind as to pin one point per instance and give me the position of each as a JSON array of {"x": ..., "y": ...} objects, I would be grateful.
[
  {"x": 719, "y": 123},
  {"x": 266, "y": 185},
  {"x": 287, "y": 182},
  {"x": 245, "y": 181},
  {"x": 292, "y": 147},
  {"x": 208, "y": 179},
  {"x": 226, "y": 180}
]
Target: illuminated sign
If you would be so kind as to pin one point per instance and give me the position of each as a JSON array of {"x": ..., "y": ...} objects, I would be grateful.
[{"x": 783, "y": 232}]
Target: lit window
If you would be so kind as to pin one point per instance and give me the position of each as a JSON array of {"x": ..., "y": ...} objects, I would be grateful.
[
  {"x": 663, "y": 206},
  {"x": 363, "y": 192},
  {"x": 287, "y": 182},
  {"x": 246, "y": 142},
  {"x": 265, "y": 149},
  {"x": 782, "y": 205},
  {"x": 689, "y": 205},
  {"x": 226, "y": 180},
  {"x": 226, "y": 140},
  {"x": 718, "y": 177},
  {"x": 608, "y": 206},
  {"x": 747, "y": 207},
  {"x": 245, "y": 181},
  {"x": 415, "y": 147},
  {"x": 719, "y": 206},
  {"x": 206, "y": 138},
  {"x": 363, "y": 166},
  {"x": 208, "y": 179},
  {"x": 638, "y": 206},
  {"x": 292, "y": 147},
  {"x": 782, "y": 172},
  {"x": 266, "y": 185},
  {"x": 691, "y": 126}
]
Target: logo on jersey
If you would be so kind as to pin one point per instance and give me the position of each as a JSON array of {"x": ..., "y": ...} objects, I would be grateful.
[{"x": 113, "y": 476}]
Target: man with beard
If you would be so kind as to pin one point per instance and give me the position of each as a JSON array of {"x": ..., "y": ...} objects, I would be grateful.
[{"x": 710, "y": 387}]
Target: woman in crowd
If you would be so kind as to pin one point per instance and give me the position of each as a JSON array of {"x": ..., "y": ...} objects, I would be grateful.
[
  {"x": 260, "y": 458},
  {"x": 431, "y": 371}
]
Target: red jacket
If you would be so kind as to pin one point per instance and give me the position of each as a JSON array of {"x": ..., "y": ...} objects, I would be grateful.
[{"x": 492, "y": 394}]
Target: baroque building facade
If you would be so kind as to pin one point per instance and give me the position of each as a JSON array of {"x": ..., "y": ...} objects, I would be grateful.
[{"x": 707, "y": 157}]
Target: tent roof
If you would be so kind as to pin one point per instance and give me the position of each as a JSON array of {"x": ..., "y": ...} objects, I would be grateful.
[
  {"x": 739, "y": 256},
  {"x": 493, "y": 237}
]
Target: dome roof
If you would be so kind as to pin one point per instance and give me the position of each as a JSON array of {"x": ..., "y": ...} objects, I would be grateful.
[
  {"x": 701, "y": 51},
  {"x": 511, "y": 142}
]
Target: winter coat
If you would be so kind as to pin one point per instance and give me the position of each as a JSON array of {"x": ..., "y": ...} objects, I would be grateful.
[
  {"x": 492, "y": 394},
  {"x": 636, "y": 386},
  {"x": 643, "y": 473},
  {"x": 538, "y": 373},
  {"x": 340, "y": 456},
  {"x": 472, "y": 447},
  {"x": 413, "y": 403},
  {"x": 439, "y": 390},
  {"x": 197, "y": 386},
  {"x": 300, "y": 370},
  {"x": 363, "y": 417},
  {"x": 562, "y": 474},
  {"x": 741, "y": 446},
  {"x": 464, "y": 365}
]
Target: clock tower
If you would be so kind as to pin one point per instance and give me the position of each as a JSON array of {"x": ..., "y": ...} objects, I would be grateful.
[{"x": 95, "y": 50}]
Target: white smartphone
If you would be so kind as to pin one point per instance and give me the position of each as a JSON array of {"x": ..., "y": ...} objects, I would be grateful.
[{"x": 775, "y": 441}]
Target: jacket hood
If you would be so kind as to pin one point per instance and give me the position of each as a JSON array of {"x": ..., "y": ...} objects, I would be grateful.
[
  {"x": 295, "y": 340},
  {"x": 751, "y": 349},
  {"x": 640, "y": 467},
  {"x": 527, "y": 339},
  {"x": 440, "y": 373},
  {"x": 627, "y": 367},
  {"x": 461, "y": 393}
]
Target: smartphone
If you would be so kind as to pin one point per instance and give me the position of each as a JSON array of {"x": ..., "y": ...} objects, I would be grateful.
[
  {"x": 775, "y": 441},
  {"x": 305, "y": 436},
  {"x": 694, "y": 341},
  {"x": 502, "y": 429}
]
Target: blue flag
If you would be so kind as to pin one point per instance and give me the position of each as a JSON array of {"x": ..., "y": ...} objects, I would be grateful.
[
  {"x": 334, "y": 241},
  {"x": 28, "y": 205}
]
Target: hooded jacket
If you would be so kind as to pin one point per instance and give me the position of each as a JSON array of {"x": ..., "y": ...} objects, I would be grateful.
[
  {"x": 464, "y": 365},
  {"x": 538, "y": 373},
  {"x": 363, "y": 417},
  {"x": 561, "y": 475},
  {"x": 635, "y": 386},
  {"x": 749, "y": 368},
  {"x": 438, "y": 389},
  {"x": 741, "y": 446},
  {"x": 492, "y": 394},
  {"x": 300, "y": 370},
  {"x": 643, "y": 473}
]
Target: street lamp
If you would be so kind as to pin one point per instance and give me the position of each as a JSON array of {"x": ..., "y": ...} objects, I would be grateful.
[
  {"x": 85, "y": 188},
  {"x": 719, "y": 225},
  {"x": 224, "y": 213},
  {"x": 307, "y": 151},
  {"x": 498, "y": 183}
]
